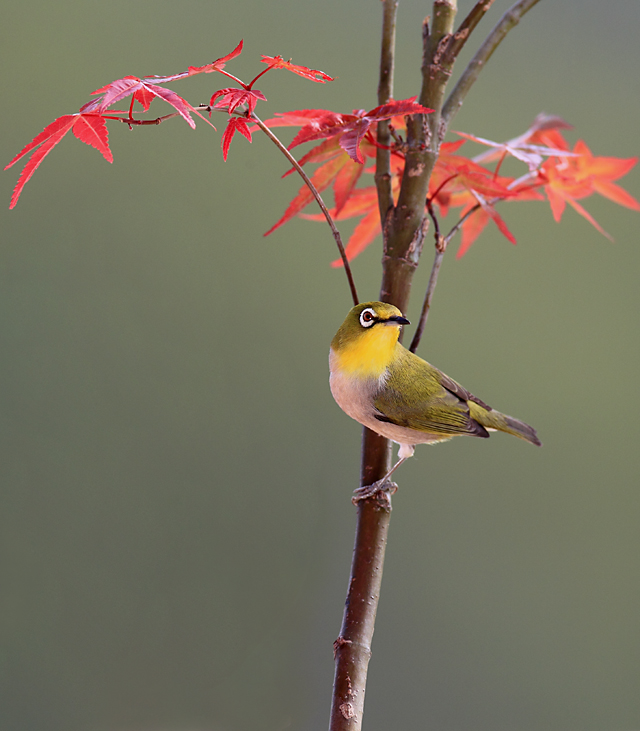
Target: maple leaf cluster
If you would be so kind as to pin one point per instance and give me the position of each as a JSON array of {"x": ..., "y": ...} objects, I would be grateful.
[
  {"x": 89, "y": 123},
  {"x": 471, "y": 184}
]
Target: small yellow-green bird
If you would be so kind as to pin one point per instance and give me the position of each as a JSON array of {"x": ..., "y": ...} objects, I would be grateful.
[{"x": 384, "y": 386}]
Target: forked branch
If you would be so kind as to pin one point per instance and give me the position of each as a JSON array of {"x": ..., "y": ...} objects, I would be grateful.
[{"x": 470, "y": 75}]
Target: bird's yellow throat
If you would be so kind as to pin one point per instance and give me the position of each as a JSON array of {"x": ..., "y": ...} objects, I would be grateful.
[{"x": 368, "y": 355}]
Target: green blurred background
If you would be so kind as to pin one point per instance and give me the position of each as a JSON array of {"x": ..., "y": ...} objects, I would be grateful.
[{"x": 175, "y": 507}]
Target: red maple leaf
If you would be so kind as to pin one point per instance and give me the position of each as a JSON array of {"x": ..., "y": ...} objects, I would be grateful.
[
  {"x": 365, "y": 232},
  {"x": 143, "y": 92},
  {"x": 322, "y": 179},
  {"x": 89, "y": 128},
  {"x": 217, "y": 65},
  {"x": 600, "y": 171},
  {"x": 351, "y": 128},
  {"x": 363, "y": 202},
  {"x": 231, "y": 99},
  {"x": 320, "y": 153},
  {"x": 338, "y": 169},
  {"x": 235, "y": 124},
  {"x": 277, "y": 62},
  {"x": 295, "y": 118},
  {"x": 475, "y": 224},
  {"x": 144, "y": 97},
  {"x": 460, "y": 172}
]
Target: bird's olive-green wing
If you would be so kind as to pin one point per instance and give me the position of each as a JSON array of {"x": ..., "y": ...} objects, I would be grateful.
[{"x": 419, "y": 396}]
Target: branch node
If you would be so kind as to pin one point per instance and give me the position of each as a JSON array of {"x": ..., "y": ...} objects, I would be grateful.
[
  {"x": 425, "y": 30},
  {"x": 347, "y": 710},
  {"x": 338, "y": 644},
  {"x": 441, "y": 49},
  {"x": 415, "y": 247}
]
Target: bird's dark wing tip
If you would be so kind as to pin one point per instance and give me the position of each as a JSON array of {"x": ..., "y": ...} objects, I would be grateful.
[{"x": 478, "y": 430}]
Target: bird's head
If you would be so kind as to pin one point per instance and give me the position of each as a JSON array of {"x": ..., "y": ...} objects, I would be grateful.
[{"x": 365, "y": 343}]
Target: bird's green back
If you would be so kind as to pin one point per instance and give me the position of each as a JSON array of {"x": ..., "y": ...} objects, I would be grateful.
[{"x": 419, "y": 396}]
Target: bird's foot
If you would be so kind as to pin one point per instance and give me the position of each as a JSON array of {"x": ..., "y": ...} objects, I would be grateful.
[{"x": 381, "y": 490}]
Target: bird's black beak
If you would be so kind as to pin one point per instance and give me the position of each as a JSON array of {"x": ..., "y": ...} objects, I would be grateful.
[{"x": 397, "y": 320}]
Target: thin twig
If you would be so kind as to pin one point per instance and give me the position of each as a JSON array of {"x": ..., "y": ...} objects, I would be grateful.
[
  {"x": 446, "y": 239},
  {"x": 142, "y": 122},
  {"x": 508, "y": 21},
  {"x": 441, "y": 247},
  {"x": 317, "y": 196},
  {"x": 426, "y": 305}
]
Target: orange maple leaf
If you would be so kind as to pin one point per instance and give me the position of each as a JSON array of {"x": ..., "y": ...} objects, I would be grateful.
[
  {"x": 362, "y": 202},
  {"x": 571, "y": 178},
  {"x": 338, "y": 170}
]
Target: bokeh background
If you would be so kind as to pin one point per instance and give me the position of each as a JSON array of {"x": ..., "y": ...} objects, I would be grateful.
[{"x": 175, "y": 509}]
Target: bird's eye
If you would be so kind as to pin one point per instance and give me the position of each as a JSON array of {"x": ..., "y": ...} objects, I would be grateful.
[{"x": 367, "y": 317}]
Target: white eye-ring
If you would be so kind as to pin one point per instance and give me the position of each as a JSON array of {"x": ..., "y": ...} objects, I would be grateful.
[{"x": 368, "y": 317}]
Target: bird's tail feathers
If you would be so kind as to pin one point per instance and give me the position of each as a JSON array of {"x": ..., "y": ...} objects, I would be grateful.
[
  {"x": 502, "y": 422},
  {"x": 519, "y": 429}
]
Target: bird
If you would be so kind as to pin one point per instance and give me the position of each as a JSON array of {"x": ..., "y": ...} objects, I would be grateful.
[{"x": 395, "y": 393}]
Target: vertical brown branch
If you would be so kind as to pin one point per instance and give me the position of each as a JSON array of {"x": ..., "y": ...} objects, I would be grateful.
[
  {"x": 407, "y": 226},
  {"x": 403, "y": 239},
  {"x": 352, "y": 649}
]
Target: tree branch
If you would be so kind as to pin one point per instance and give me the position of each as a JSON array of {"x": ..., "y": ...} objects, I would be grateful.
[
  {"x": 441, "y": 247},
  {"x": 459, "y": 38},
  {"x": 352, "y": 649},
  {"x": 426, "y": 305},
  {"x": 508, "y": 21},
  {"x": 407, "y": 226},
  {"x": 404, "y": 228},
  {"x": 336, "y": 234}
]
